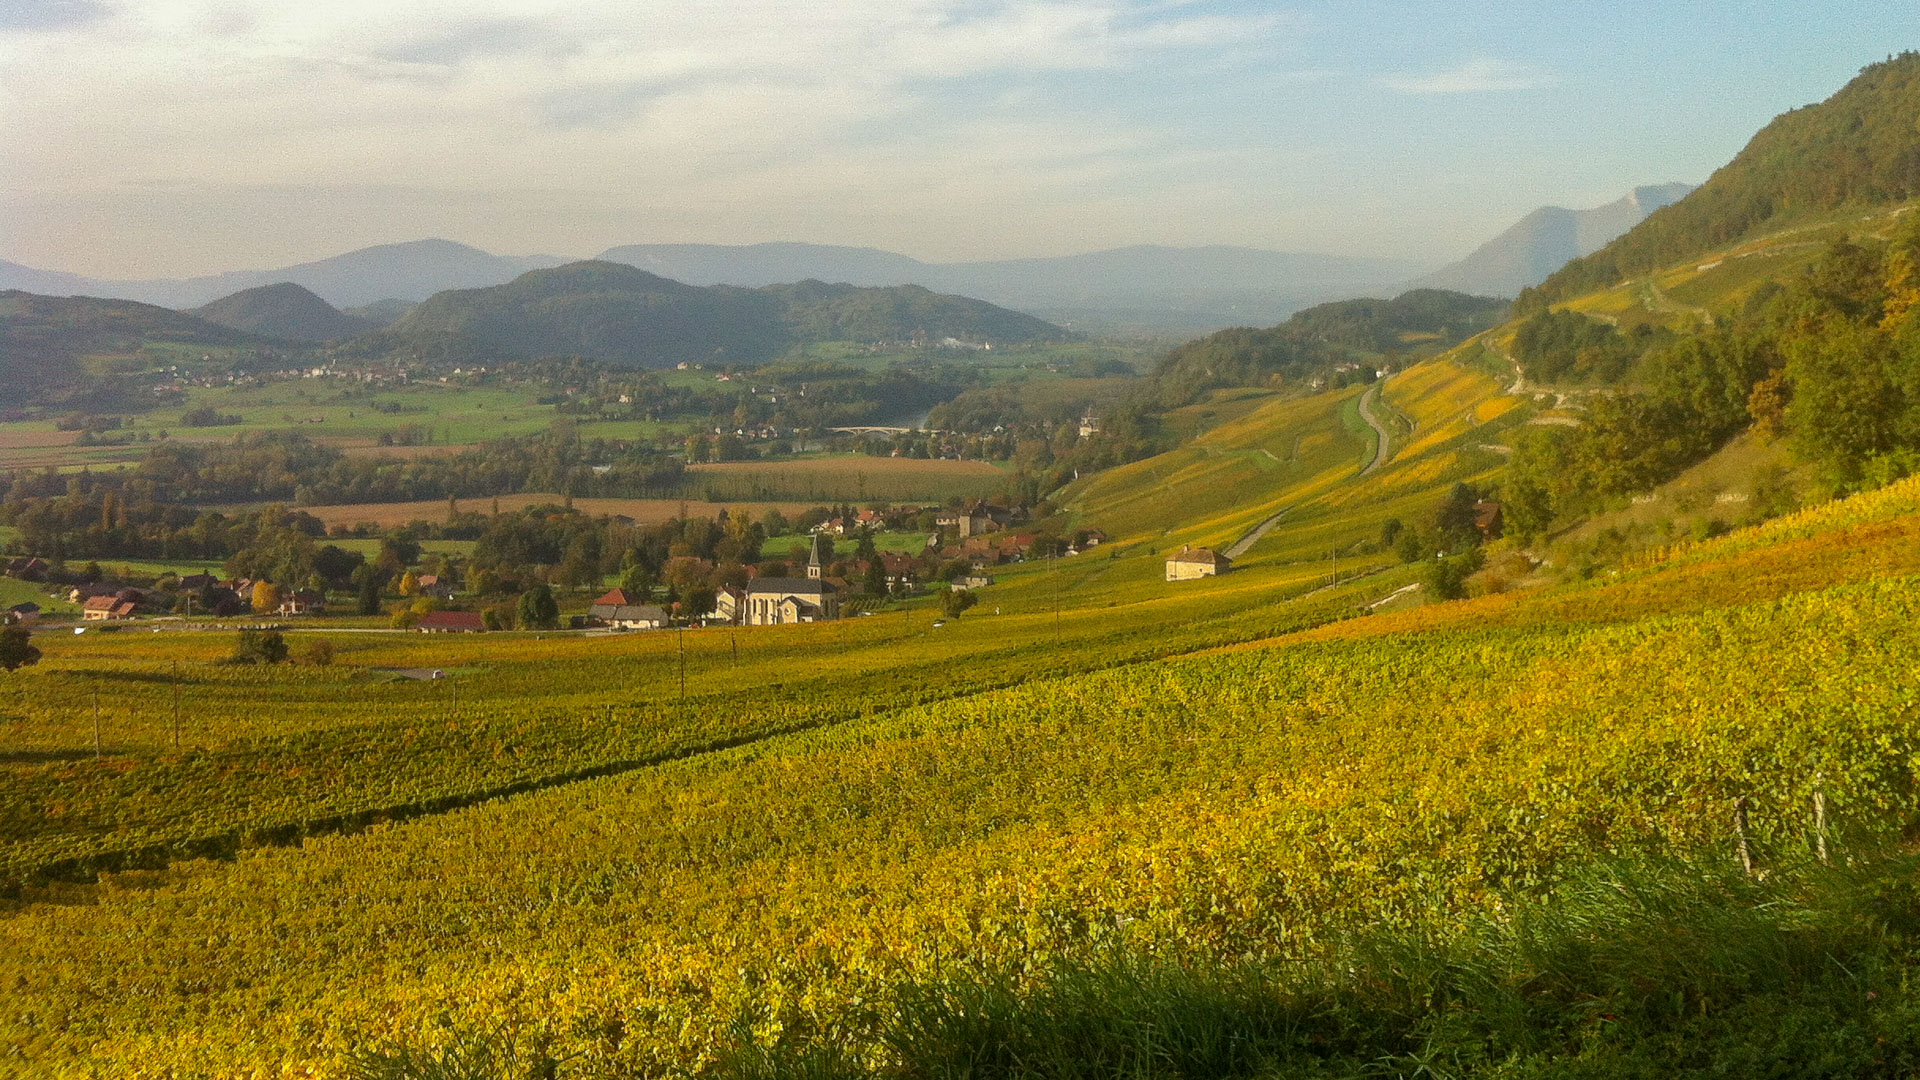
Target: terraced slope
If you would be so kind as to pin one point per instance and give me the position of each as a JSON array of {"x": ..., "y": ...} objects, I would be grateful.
[{"x": 1316, "y": 464}]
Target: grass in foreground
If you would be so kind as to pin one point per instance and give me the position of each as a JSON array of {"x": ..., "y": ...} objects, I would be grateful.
[{"x": 1656, "y": 967}]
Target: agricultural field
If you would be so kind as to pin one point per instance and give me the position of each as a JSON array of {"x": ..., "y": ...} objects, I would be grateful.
[
  {"x": 1036, "y": 363},
  {"x": 854, "y": 478},
  {"x": 716, "y": 881},
  {"x": 646, "y": 511},
  {"x": 331, "y": 411}
]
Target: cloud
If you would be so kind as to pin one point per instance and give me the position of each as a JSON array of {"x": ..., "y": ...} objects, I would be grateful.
[
  {"x": 1480, "y": 76},
  {"x": 482, "y": 37},
  {"x": 738, "y": 120},
  {"x": 49, "y": 14}
]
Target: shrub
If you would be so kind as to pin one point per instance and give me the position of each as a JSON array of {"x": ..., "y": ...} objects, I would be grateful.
[{"x": 259, "y": 647}]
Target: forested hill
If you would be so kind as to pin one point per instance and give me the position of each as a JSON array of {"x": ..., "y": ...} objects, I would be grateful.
[
  {"x": 285, "y": 310},
  {"x": 817, "y": 311},
  {"x": 624, "y": 315},
  {"x": 1860, "y": 147},
  {"x": 43, "y": 338},
  {"x": 1322, "y": 337}
]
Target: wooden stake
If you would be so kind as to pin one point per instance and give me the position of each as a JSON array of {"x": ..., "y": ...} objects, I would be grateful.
[
  {"x": 1820, "y": 823},
  {"x": 1740, "y": 831},
  {"x": 96, "y": 724},
  {"x": 176, "y": 704}
]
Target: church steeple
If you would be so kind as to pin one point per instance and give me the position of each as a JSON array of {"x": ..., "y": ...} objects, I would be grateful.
[{"x": 813, "y": 562}]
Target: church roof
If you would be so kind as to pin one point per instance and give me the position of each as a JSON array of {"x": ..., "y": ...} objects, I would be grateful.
[{"x": 803, "y": 586}]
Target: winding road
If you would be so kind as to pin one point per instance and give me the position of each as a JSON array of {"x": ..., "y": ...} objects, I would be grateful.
[
  {"x": 1384, "y": 444},
  {"x": 1383, "y": 448}
]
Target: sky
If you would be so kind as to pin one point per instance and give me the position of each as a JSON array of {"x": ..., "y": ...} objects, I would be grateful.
[{"x": 164, "y": 138}]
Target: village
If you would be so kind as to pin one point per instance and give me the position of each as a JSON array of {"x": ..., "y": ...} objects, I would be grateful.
[{"x": 818, "y": 580}]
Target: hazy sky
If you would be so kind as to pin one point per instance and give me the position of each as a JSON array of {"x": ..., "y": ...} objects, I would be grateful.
[{"x": 152, "y": 138}]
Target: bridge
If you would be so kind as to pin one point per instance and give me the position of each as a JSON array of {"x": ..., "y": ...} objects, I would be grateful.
[{"x": 875, "y": 430}]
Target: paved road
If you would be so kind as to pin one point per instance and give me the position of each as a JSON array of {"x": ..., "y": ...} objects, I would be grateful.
[
  {"x": 1384, "y": 448},
  {"x": 1253, "y": 536}
]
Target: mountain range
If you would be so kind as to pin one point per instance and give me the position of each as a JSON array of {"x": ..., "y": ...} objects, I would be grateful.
[
  {"x": 624, "y": 315},
  {"x": 1173, "y": 289},
  {"x": 1547, "y": 239},
  {"x": 1170, "y": 289},
  {"x": 410, "y": 271}
]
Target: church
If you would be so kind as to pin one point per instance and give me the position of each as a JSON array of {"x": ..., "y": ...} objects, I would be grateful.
[{"x": 775, "y": 601}]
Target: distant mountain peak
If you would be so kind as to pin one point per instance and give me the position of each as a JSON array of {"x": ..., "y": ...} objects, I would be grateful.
[
  {"x": 1858, "y": 148},
  {"x": 1547, "y": 239}
]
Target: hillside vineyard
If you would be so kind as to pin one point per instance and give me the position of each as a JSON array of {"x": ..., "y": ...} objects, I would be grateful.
[{"x": 679, "y": 664}]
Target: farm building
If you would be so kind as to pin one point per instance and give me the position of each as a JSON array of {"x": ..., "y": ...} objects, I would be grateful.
[
  {"x": 105, "y": 608},
  {"x": 451, "y": 622},
  {"x": 304, "y": 602},
  {"x": 626, "y": 610},
  {"x": 630, "y": 616},
  {"x": 1489, "y": 520},
  {"x": 1192, "y": 562}
]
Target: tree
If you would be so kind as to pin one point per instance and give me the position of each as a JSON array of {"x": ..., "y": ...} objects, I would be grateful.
[
  {"x": 409, "y": 584},
  {"x": 955, "y": 601},
  {"x": 1455, "y": 521},
  {"x": 259, "y": 647},
  {"x": 700, "y": 600},
  {"x": 369, "y": 595},
  {"x": 1446, "y": 579},
  {"x": 17, "y": 649},
  {"x": 266, "y": 596},
  {"x": 876, "y": 580},
  {"x": 537, "y": 609},
  {"x": 638, "y": 579}
]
